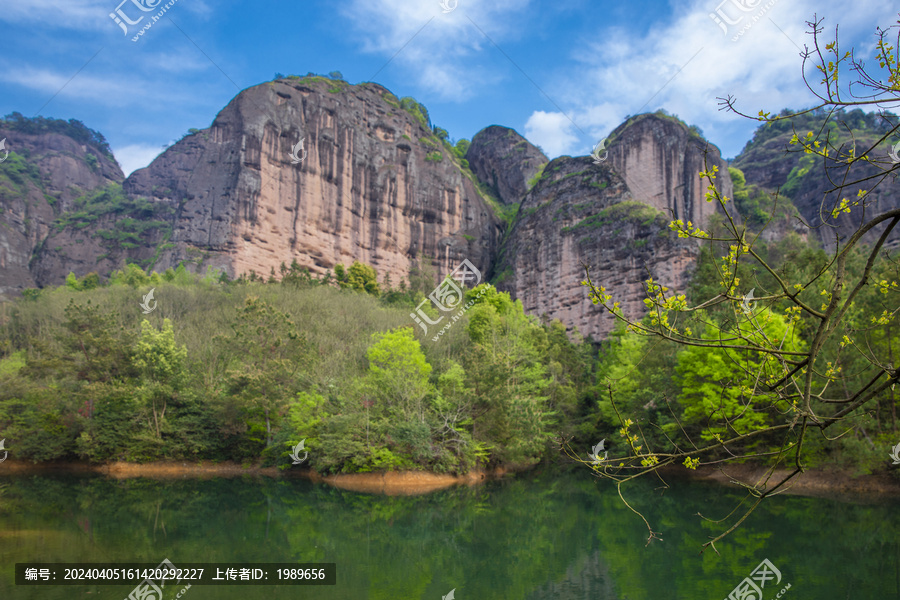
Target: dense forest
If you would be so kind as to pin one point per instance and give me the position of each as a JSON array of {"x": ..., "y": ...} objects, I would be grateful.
[{"x": 244, "y": 370}]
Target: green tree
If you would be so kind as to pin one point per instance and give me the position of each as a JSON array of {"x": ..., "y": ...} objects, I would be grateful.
[
  {"x": 723, "y": 389},
  {"x": 72, "y": 282},
  {"x": 161, "y": 367},
  {"x": 509, "y": 376},
  {"x": 363, "y": 278},
  {"x": 90, "y": 281},
  {"x": 440, "y": 133},
  {"x": 400, "y": 373},
  {"x": 267, "y": 357},
  {"x": 305, "y": 413},
  {"x": 131, "y": 275},
  {"x": 805, "y": 385}
]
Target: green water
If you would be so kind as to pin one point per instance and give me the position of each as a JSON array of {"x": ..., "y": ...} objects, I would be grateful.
[{"x": 559, "y": 535}]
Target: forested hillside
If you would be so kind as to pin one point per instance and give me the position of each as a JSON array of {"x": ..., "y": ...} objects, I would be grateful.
[{"x": 244, "y": 370}]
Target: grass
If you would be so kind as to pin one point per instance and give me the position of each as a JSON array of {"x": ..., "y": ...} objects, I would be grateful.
[
  {"x": 629, "y": 210},
  {"x": 531, "y": 210}
]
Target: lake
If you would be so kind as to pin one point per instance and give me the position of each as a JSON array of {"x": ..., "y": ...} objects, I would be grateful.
[{"x": 540, "y": 535}]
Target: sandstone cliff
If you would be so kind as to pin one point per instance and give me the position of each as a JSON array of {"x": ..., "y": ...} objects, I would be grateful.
[
  {"x": 505, "y": 161},
  {"x": 374, "y": 185},
  {"x": 612, "y": 217},
  {"x": 582, "y": 213},
  {"x": 660, "y": 160},
  {"x": 43, "y": 175}
]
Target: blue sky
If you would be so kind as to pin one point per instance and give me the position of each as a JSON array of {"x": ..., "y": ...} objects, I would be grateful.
[{"x": 563, "y": 73}]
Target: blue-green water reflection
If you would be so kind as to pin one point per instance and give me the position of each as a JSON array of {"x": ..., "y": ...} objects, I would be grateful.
[{"x": 536, "y": 536}]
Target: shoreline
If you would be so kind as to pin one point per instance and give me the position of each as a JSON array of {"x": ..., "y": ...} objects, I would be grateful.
[
  {"x": 813, "y": 482},
  {"x": 388, "y": 483},
  {"x": 820, "y": 483}
]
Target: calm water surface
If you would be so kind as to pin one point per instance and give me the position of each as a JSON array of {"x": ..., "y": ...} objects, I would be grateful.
[{"x": 536, "y": 536}]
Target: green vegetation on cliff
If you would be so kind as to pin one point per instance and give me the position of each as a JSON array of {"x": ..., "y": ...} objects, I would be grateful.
[{"x": 72, "y": 128}]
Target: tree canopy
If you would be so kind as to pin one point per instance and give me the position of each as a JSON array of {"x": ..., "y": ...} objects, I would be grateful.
[{"x": 778, "y": 352}]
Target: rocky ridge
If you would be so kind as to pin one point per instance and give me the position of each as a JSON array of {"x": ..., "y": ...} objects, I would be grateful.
[
  {"x": 42, "y": 176},
  {"x": 370, "y": 183},
  {"x": 613, "y": 218},
  {"x": 322, "y": 172},
  {"x": 505, "y": 161}
]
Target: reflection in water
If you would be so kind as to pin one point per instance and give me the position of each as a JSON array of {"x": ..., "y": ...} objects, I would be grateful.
[
  {"x": 536, "y": 536},
  {"x": 589, "y": 578}
]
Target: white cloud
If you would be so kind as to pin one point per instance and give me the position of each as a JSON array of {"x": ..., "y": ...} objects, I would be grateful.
[
  {"x": 684, "y": 63},
  {"x": 85, "y": 87},
  {"x": 430, "y": 45},
  {"x": 136, "y": 156},
  {"x": 137, "y": 91},
  {"x": 85, "y": 15},
  {"x": 73, "y": 14},
  {"x": 552, "y": 132}
]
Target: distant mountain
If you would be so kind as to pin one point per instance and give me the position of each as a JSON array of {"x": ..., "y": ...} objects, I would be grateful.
[
  {"x": 51, "y": 165},
  {"x": 318, "y": 171},
  {"x": 770, "y": 163}
]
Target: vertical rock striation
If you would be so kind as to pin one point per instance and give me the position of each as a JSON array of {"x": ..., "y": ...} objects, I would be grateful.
[
  {"x": 612, "y": 217},
  {"x": 40, "y": 179},
  {"x": 374, "y": 185},
  {"x": 505, "y": 161}
]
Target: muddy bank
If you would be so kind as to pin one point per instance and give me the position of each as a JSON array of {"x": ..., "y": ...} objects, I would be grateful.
[
  {"x": 815, "y": 482},
  {"x": 391, "y": 483},
  {"x": 402, "y": 483},
  {"x": 823, "y": 483}
]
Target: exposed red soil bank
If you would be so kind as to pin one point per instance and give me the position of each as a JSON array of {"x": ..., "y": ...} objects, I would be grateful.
[
  {"x": 830, "y": 483},
  {"x": 391, "y": 483}
]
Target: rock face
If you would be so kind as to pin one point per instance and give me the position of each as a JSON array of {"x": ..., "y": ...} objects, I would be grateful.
[
  {"x": 370, "y": 183},
  {"x": 41, "y": 178},
  {"x": 321, "y": 172},
  {"x": 660, "y": 160},
  {"x": 579, "y": 214},
  {"x": 813, "y": 193},
  {"x": 505, "y": 161},
  {"x": 374, "y": 185},
  {"x": 612, "y": 217}
]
